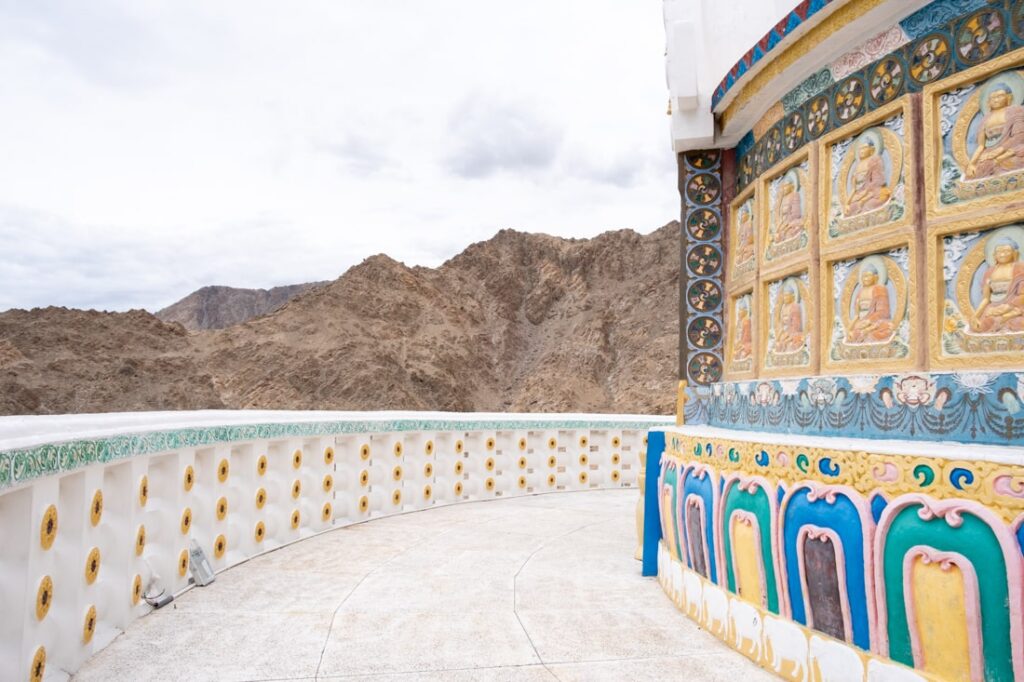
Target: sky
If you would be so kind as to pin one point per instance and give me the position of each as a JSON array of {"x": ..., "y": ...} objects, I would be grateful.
[{"x": 151, "y": 147}]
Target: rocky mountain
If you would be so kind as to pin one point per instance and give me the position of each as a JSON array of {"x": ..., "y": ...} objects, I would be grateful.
[
  {"x": 56, "y": 360},
  {"x": 521, "y": 322},
  {"x": 216, "y": 307}
]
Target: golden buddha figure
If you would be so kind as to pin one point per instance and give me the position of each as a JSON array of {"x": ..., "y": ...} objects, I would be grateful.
[
  {"x": 745, "y": 235},
  {"x": 744, "y": 337},
  {"x": 789, "y": 323},
  {"x": 1002, "y": 291},
  {"x": 1000, "y": 141},
  {"x": 870, "y": 186},
  {"x": 790, "y": 210},
  {"x": 871, "y": 318}
]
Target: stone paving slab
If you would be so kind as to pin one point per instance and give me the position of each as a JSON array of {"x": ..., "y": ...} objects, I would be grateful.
[{"x": 535, "y": 588}]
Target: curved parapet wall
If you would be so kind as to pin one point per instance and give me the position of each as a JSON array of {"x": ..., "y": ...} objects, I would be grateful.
[
  {"x": 98, "y": 512},
  {"x": 837, "y": 559}
]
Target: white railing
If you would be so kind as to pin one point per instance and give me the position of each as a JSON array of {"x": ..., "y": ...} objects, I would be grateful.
[{"x": 98, "y": 512}]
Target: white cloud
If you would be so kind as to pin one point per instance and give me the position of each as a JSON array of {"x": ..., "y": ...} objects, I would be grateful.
[{"x": 153, "y": 146}]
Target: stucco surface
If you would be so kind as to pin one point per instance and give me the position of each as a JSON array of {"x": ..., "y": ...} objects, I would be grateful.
[{"x": 536, "y": 588}]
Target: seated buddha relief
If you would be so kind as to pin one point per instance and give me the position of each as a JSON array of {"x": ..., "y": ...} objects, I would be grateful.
[
  {"x": 984, "y": 138},
  {"x": 790, "y": 334},
  {"x": 871, "y": 304},
  {"x": 743, "y": 347},
  {"x": 788, "y": 215},
  {"x": 984, "y": 310},
  {"x": 743, "y": 260},
  {"x": 867, "y": 180}
]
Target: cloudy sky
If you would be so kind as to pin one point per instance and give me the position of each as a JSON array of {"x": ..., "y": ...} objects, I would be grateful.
[{"x": 150, "y": 147}]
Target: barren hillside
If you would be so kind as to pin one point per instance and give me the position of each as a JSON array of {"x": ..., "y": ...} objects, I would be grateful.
[
  {"x": 217, "y": 307},
  {"x": 521, "y": 322}
]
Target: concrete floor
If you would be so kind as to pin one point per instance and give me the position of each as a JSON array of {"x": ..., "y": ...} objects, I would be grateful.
[{"x": 536, "y": 588}]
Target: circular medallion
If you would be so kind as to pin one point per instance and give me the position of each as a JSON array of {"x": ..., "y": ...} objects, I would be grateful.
[
  {"x": 458, "y": 468},
  {"x": 364, "y": 503},
  {"x": 296, "y": 489},
  {"x": 397, "y": 449},
  {"x": 458, "y": 488},
  {"x": 186, "y": 520},
  {"x": 704, "y": 369},
  {"x": 96, "y": 508},
  {"x": 261, "y": 465},
  {"x": 328, "y": 483},
  {"x": 459, "y": 447},
  {"x": 703, "y": 224},
  {"x": 793, "y": 131},
  {"x": 818, "y": 115},
  {"x": 92, "y": 565},
  {"x": 44, "y": 597},
  {"x": 428, "y": 470},
  {"x": 979, "y": 37},
  {"x": 552, "y": 461},
  {"x": 522, "y": 463},
  {"x": 38, "y": 668},
  {"x": 521, "y": 482},
  {"x": 849, "y": 99},
  {"x": 489, "y": 464},
  {"x": 584, "y": 460},
  {"x": 183, "y": 563},
  {"x": 552, "y": 479},
  {"x": 552, "y": 443},
  {"x": 89, "y": 626},
  {"x": 260, "y": 532},
  {"x": 48, "y": 527},
  {"x": 583, "y": 478},
  {"x": 489, "y": 484},
  {"x": 930, "y": 58},
  {"x": 143, "y": 491},
  {"x": 704, "y": 260},
  {"x": 325, "y": 513},
  {"x": 396, "y": 498},
  {"x": 887, "y": 80},
  {"x": 427, "y": 492},
  {"x": 136, "y": 589},
  {"x": 616, "y": 458},
  {"x": 140, "y": 540},
  {"x": 490, "y": 444},
  {"x": 222, "y": 470},
  {"x": 396, "y": 473},
  {"x": 522, "y": 443},
  {"x": 189, "y": 478},
  {"x": 701, "y": 160},
  {"x": 220, "y": 545},
  {"x": 296, "y": 459},
  {"x": 616, "y": 476},
  {"x": 584, "y": 441},
  {"x": 429, "y": 448},
  {"x": 364, "y": 478},
  {"x": 704, "y": 295},
  {"x": 329, "y": 456},
  {"x": 261, "y": 498},
  {"x": 704, "y": 333},
  {"x": 364, "y": 452},
  {"x": 222, "y": 508},
  {"x": 616, "y": 441},
  {"x": 773, "y": 146},
  {"x": 703, "y": 188}
]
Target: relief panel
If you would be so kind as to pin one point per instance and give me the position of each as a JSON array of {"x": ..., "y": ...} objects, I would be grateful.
[
  {"x": 790, "y": 318},
  {"x": 974, "y": 157},
  {"x": 743, "y": 229},
  {"x": 789, "y": 231},
  {"x": 742, "y": 348},
  {"x": 977, "y": 298},
  {"x": 869, "y": 318},
  {"x": 867, "y": 177}
]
